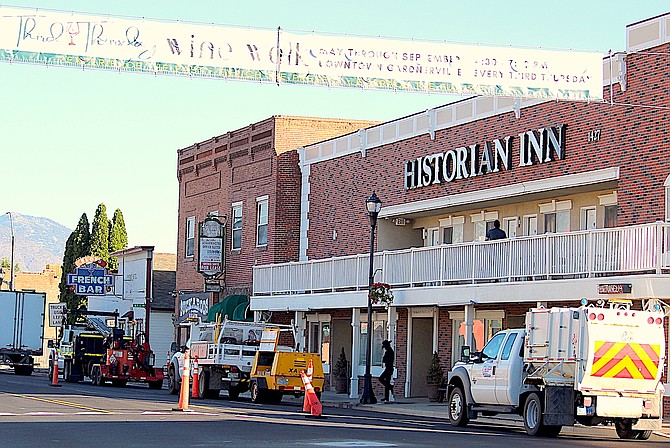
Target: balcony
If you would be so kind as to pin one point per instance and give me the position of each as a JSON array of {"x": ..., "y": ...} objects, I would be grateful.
[{"x": 623, "y": 251}]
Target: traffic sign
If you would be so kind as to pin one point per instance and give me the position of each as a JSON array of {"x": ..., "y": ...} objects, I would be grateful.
[{"x": 56, "y": 312}]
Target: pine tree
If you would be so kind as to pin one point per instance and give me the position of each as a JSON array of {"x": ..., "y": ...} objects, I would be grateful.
[
  {"x": 100, "y": 233},
  {"x": 118, "y": 238},
  {"x": 77, "y": 246}
]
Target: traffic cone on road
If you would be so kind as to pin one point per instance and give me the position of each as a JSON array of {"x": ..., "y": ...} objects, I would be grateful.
[
  {"x": 184, "y": 392},
  {"x": 195, "y": 391},
  {"x": 54, "y": 375},
  {"x": 315, "y": 407},
  {"x": 310, "y": 369}
]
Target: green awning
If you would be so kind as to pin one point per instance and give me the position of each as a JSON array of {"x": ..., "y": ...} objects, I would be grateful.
[
  {"x": 240, "y": 312},
  {"x": 226, "y": 307}
]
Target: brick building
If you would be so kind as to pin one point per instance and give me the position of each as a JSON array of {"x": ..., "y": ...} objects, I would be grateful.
[
  {"x": 582, "y": 190},
  {"x": 251, "y": 178}
]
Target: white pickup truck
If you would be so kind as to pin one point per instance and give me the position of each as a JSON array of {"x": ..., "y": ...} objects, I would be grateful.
[
  {"x": 225, "y": 352},
  {"x": 591, "y": 365}
]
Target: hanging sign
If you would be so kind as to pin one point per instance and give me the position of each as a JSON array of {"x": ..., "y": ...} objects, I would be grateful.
[{"x": 210, "y": 247}]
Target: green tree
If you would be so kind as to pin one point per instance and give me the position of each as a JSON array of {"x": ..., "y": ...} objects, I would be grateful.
[
  {"x": 118, "y": 238},
  {"x": 77, "y": 246},
  {"x": 4, "y": 262},
  {"x": 100, "y": 233}
]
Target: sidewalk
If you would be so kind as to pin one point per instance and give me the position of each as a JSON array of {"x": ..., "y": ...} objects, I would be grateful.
[{"x": 422, "y": 407}]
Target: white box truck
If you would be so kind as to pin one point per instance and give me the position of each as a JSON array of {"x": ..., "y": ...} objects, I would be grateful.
[
  {"x": 21, "y": 329},
  {"x": 589, "y": 364}
]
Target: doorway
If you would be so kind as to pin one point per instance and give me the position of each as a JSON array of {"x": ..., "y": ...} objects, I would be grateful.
[{"x": 422, "y": 352}]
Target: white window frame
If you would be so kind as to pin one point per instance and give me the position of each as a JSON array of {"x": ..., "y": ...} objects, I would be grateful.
[
  {"x": 666, "y": 188},
  {"x": 456, "y": 224},
  {"x": 190, "y": 237},
  {"x": 583, "y": 218},
  {"x": 527, "y": 227},
  {"x": 482, "y": 221},
  {"x": 262, "y": 221},
  {"x": 237, "y": 206},
  {"x": 561, "y": 209},
  {"x": 432, "y": 236},
  {"x": 510, "y": 226}
]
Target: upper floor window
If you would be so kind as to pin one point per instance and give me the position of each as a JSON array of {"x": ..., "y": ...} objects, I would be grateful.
[
  {"x": 452, "y": 229},
  {"x": 483, "y": 222},
  {"x": 609, "y": 202},
  {"x": 556, "y": 216},
  {"x": 237, "y": 226},
  {"x": 262, "y": 221},
  {"x": 190, "y": 236}
]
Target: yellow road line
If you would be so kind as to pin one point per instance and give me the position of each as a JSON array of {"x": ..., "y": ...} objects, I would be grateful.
[{"x": 62, "y": 403}]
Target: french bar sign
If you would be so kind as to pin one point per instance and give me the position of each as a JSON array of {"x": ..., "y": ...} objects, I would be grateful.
[
  {"x": 615, "y": 288},
  {"x": 90, "y": 281}
]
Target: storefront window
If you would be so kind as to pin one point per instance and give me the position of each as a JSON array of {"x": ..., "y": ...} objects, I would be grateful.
[
  {"x": 483, "y": 330},
  {"x": 379, "y": 334},
  {"x": 319, "y": 340}
]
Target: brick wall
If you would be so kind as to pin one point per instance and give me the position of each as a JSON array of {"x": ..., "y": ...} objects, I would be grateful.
[
  {"x": 635, "y": 139},
  {"x": 240, "y": 166}
]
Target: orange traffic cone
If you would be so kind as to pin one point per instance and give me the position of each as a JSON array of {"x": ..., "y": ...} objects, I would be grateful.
[
  {"x": 184, "y": 392},
  {"x": 315, "y": 407},
  {"x": 195, "y": 391},
  {"x": 54, "y": 376},
  {"x": 310, "y": 369}
]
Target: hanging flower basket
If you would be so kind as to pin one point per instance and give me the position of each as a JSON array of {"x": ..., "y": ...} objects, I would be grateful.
[{"x": 381, "y": 294}]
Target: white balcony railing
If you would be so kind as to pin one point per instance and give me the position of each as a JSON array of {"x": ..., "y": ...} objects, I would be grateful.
[{"x": 599, "y": 252}]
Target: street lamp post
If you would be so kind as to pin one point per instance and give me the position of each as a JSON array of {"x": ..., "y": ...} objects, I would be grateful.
[
  {"x": 11, "y": 261},
  {"x": 373, "y": 205}
]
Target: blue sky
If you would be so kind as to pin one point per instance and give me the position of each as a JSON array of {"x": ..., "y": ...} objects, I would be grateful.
[{"x": 72, "y": 139}]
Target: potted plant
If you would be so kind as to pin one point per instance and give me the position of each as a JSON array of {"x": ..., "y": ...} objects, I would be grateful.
[
  {"x": 381, "y": 294},
  {"x": 341, "y": 374},
  {"x": 434, "y": 378}
]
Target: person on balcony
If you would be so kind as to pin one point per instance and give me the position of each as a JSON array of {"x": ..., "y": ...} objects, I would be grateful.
[
  {"x": 496, "y": 233},
  {"x": 387, "y": 374}
]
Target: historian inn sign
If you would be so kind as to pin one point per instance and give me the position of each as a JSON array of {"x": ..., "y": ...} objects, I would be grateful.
[{"x": 541, "y": 146}]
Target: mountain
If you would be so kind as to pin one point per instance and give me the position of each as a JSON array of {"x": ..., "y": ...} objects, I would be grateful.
[{"x": 38, "y": 241}]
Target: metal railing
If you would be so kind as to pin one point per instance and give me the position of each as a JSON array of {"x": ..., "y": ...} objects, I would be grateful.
[{"x": 599, "y": 252}]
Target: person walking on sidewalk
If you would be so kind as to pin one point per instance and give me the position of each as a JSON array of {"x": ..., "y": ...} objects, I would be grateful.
[{"x": 385, "y": 378}]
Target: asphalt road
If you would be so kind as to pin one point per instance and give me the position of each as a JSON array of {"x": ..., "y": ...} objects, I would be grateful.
[{"x": 32, "y": 414}]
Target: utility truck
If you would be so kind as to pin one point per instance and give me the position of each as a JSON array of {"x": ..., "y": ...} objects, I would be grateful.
[
  {"x": 225, "y": 350},
  {"x": 590, "y": 364},
  {"x": 92, "y": 348},
  {"x": 21, "y": 329}
]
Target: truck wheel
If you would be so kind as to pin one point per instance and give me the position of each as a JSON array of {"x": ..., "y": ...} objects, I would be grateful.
[
  {"x": 257, "y": 394},
  {"x": 643, "y": 435},
  {"x": 67, "y": 372},
  {"x": 533, "y": 418},
  {"x": 173, "y": 385},
  {"x": 233, "y": 393},
  {"x": 203, "y": 386},
  {"x": 96, "y": 376},
  {"x": 458, "y": 408},
  {"x": 624, "y": 429}
]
